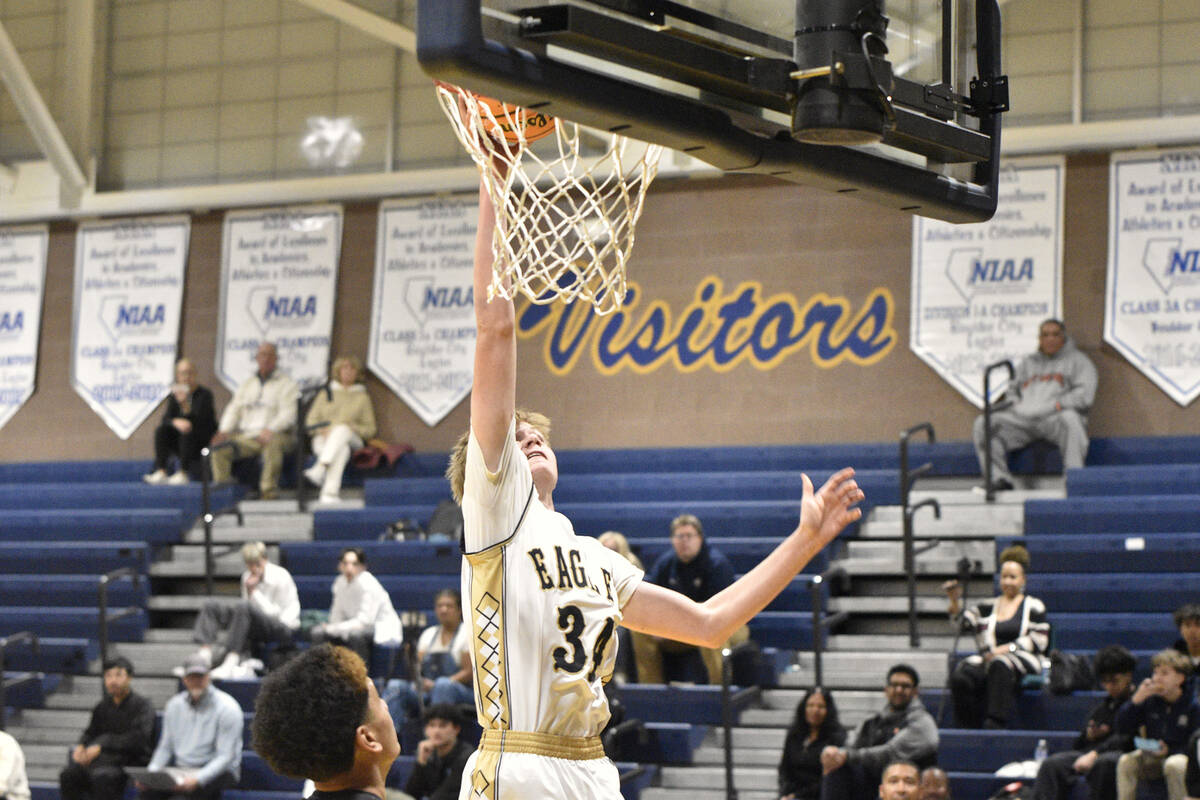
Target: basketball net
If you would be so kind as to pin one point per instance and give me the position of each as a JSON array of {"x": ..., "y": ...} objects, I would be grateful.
[{"x": 564, "y": 220}]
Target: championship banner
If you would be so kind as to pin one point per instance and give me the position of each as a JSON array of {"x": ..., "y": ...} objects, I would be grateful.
[
  {"x": 1152, "y": 297},
  {"x": 22, "y": 278},
  {"x": 423, "y": 319},
  {"x": 128, "y": 292},
  {"x": 980, "y": 291},
  {"x": 278, "y": 284}
]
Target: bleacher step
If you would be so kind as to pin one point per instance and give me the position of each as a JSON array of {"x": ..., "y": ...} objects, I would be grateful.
[
  {"x": 168, "y": 636},
  {"x": 666, "y": 793},
  {"x": 849, "y": 642},
  {"x": 29, "y": 735},
  {"x": 859, "y": 670},
  {"x": 947, "y": 552},
  {"x": 151, "y": 658},
  {"x": 749, "y": 778},
  {"x": 85, "y": 692},
  {"x": 273, "y": 528},
  {"x": 961, "y": 491},
  {"x": 51, "y": 718},
  {"x": 926, "y": 526},
  {"x": 955, "y": 513},
  {"x": 181, "y": 602},
  {"x": 876, "y": 605},
  {"x": 742, "y": 756}
]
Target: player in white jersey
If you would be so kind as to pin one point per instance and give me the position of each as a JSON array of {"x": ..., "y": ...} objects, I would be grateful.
[{"x": 544, "y": 603}]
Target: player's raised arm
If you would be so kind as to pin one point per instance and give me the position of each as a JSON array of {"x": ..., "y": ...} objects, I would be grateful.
[
  {"x": 493, "y": 392},
  {"x": 663, "y": 612}
]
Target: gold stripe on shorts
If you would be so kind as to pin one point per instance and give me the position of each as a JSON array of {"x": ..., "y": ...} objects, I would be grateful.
[
  {"x": 575, "y": 748},
  {"x": 485, "y": 777}
]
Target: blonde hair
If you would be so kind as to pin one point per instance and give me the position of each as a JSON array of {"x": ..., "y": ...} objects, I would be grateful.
[
  {"x": 253, "y": 552},
  {"x": 341, "y": 361},
  {"x": 1173, "y": 659},
  {"x": 618, "y": 542},
  {"x": 456, "y": 470}
]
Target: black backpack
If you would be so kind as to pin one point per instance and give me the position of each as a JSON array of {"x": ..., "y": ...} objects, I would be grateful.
[{"x": 1070, "y": 673}]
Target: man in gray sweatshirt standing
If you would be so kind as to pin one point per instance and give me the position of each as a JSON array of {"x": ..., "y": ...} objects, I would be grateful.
[
  {"x": 1049, "y": 398},
  {"x": 903, "y": 731}
]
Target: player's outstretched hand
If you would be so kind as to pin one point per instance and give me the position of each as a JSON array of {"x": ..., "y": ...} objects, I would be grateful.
[{"x": 823, "y": 514}]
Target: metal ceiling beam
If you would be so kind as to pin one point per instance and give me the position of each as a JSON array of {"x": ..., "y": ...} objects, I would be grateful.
[
  {"x": 371, "y": 24},
  {"x": 79, "y": 47},
  {"x": 37, "y": 116}
]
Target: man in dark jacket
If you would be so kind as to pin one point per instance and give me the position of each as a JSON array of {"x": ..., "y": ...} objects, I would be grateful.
[
  {"x": 120, "y": 734},
  {"x": 441, "y": 756},
  {"x": 1099, "y": 746},
  {"x": 693, "y": 568},
  {"x": 903, "y": 731},
  {"x": 1048, "y": 398}
]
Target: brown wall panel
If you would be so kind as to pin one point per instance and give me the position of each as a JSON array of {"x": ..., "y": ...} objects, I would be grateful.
[{"x": 789, "y": 240}]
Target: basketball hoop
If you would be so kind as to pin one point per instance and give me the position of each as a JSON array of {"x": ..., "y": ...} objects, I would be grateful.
[{"x": 564, "y": 220}]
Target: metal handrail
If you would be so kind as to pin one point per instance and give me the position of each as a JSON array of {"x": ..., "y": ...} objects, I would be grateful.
[
  {"x": 910, "y": 564},
  {"x": 964, "y": 570},
  {"x": 988, "y": 489},
  {"x": 207, "y": 515},
  {"x": 302, "y": 402},
  {"x": 6, "y": 642},
  {"x": 727, "y": 655},
  {"x": 102, "y": 601},
  {"x": 909, "y": 477},
  {"x": 821, "y": 621}
]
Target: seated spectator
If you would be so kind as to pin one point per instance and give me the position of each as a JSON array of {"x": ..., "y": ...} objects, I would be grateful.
[
  {"x": 900, "y": 781},
  {"x": 443, "y": 654},
  {"x": 14, "y": 783},
  {"x": 1049, "y": 398},
  {"x": 186, "y": 428},
  {"x": 1162, "y": 713},
  {"x": 903, "y": 731},
  {"x": 350, "y": 419},
  {"x": 1011, "y": 633},
  {"x": 1099, "y": 745},
  {"x": 441, "y": 756},
  {"x": 1187, "y": 620},
  {"x": 362, "y": 611},
  {"x": 260, "y": 420},
  {"x": 814, "y": 728},
  {"x": 120, "y": 734},
  {"x": 319, "y": 717},
  {"x": 696, "y": 570},
  {"x": 934, "y": 784},
  {"x": 230, "y": 633},
  {"x": 202, "y": 734},
  {"x": 625, "y": 668}
]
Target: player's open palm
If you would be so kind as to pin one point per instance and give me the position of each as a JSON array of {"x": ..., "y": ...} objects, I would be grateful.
[{"x": 824, "y": 513}]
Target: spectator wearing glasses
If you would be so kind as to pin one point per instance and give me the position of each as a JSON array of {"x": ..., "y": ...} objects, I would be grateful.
[
  {"x": 699, "y": 571},
  {"x": 902, "y": 731}
]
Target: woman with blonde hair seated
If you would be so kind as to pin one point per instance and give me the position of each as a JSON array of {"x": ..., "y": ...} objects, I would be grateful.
[{"x": 350, "y": 421}]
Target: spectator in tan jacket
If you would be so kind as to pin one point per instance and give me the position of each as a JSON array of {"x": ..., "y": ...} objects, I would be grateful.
[{"x": 350, "y": 422}]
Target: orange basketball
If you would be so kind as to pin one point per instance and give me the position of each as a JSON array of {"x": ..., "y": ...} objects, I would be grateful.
[{"x": 511, "y": 120}]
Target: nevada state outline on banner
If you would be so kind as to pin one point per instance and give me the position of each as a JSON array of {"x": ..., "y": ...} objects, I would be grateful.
[
  {"x": 1152, "y": 293},
  {"x": 129, "y": 276},
  {"x": 22, "y": 283},
  {"x": 279, "y": 271},
  {"x": 980, "y": 291}
]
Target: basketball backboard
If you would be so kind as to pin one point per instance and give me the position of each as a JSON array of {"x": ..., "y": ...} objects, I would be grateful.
[{"x": 902, "y": 109}]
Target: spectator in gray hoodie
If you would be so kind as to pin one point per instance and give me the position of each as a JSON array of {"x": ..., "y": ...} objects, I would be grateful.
[
  {"x": 1049, "y": 398},
  {"x": 903, "y": 731}
]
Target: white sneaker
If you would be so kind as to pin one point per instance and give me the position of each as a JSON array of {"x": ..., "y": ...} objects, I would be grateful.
[
  {"x": 156, "y": 478},
  {"x": 228, "y": 668},
  {"x": 180, "y": 478},
  {"x": 315, "y": 474},
  {"x": 328, "y": 499}
]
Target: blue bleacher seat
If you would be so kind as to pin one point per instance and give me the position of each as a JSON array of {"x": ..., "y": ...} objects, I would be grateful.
[
  {"x": 56, "y": 654},
  {"x": 73, "y": 622},
  {"x": 383, "y": 558},
  {"x": 28, "y": 689},
  {"x": 407, "y": 591},
  {"x": 257, "y": 775},
  {"x": 1162, "y": 592},
  {"x": 1133, "y": 480},
  {"x": 1093, "y": 630},
  {"x": 988, "y": 750},
  {"x": 158, "y": 525},
  {"x": 67, "y": 590},
  {"x": 698, "y": 705},
  {"x": 1134, "y": 552},
  {"x": 97, "y": 495},
  {"x": 744, "y": 552},
  {"x": 72, "y": 557},
  {"x": 1160, "y": 513}
]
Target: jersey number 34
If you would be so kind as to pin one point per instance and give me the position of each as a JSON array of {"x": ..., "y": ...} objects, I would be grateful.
[{"x": 573, "y": 658}]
